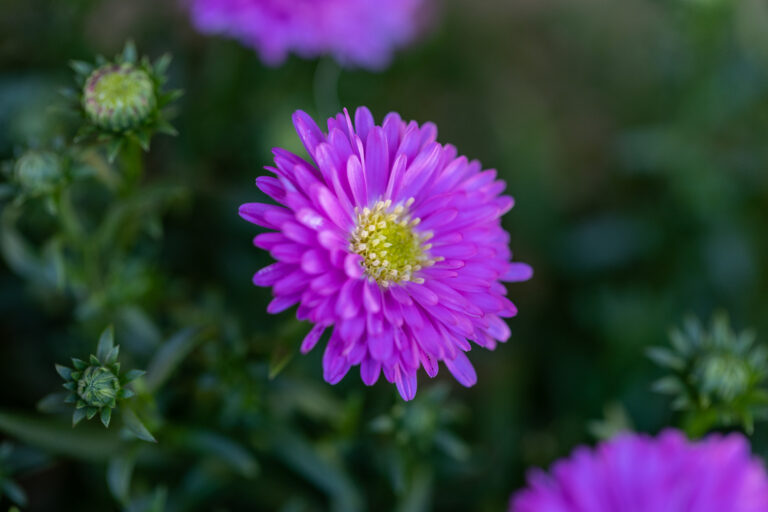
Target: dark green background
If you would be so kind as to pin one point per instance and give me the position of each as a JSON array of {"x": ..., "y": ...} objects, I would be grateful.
[{"x": 633, "y": 135}]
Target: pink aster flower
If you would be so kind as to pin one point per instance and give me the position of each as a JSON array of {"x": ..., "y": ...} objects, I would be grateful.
[
  {"x": 393, "y": 241},
  {"x": 638, "y": 473},
  {"x": 355, "y": 32}
]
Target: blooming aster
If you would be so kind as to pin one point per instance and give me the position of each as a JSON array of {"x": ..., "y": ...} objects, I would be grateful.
[
  {"x": 638, "y": 473},
  {"x": 392, "y": 240},
  {"x": 355, "y": 32}
]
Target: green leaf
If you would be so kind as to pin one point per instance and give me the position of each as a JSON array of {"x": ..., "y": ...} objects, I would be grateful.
[
  {"x": 105, "y": 416},
  {"x": 126, "y": 393},
  {"x": 236, "y": 456},
  {"x": 320, "y": 469},
  {"x": 54, "y": 403},
  {"x": 112, "y": 357},
  {"x": 281, "y": 356},
  {"x": 106, "y": 343},
  {"x": 167, "y": 128},
  {"x": 81, "y": 68},
  {"x": 169, "y": 97},
  {"x": 78, "y": 415},
  {"x": 668, "y": 386},
  {"x": 19, "y": 255},
  {"x": 113, "y": 148},
  {"x": 169, "y": 356},
  {"x": 142, "y": 138},
  {"x": 133, "y": 375},
  {"x": 14, "y": 492},
  {"x": 129, "y": 52},
  {"x": 119, "y": 473},
  {"x": 136, "y": 427},
  {"x": 419, "y": 493},
  {"x": 79, "y": 364},
  {"x": 65, "y": 372},
  {"x": 162, "y": 63},
  {"x": 666, "y": 358}
]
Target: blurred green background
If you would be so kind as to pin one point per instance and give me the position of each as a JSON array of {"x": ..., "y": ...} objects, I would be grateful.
[{"x": 633, "y": 135}]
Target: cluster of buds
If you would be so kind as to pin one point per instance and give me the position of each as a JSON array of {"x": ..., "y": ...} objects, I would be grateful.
[
  {"x": 123, "y": 99},
  {"x": 95, "y": 386},
  {"x": 717, "y": 375}
]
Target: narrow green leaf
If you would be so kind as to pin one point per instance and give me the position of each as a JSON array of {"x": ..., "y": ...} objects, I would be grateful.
[
  {"x": 80, "y": 67},
  {"x": 54, "y": 403},
  {"x": 79, "y": 364},
  {"x": 64, "y": 371},
  {"x": 665, "y": 357},
  {"x": 162, "y": 63},
  {"x": 14, "y": 492},
  {"x": 119, "y": 473},
  {"x": 167, "y": 128},
  {"x": 668, "y": 385},
  {"x": 126, "y": 393},
  {"x": 320, "y": 469},
  {"x": 113, "y": 148},
  {"x": 78, "y": 416},
  {"x": 105, "y": 416},
  {"x": 133, "y": 375},
  {"x": 106, "y": 343},
  {"x": 233, "y": 454},
  {"x": 112, "y": 357},
  {"x": 136, "y": 427},
  {"x": 129, "y": 51},
  {"x": 169, "y": 356},
  {"x": 281, "y": 356},
  {"x": 142, "y": 137}
]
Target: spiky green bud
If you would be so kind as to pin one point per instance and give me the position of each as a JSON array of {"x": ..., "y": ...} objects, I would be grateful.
[
  {"x": 122, "y": 99},
  {"x": 119, "y": 97},
  {"x": 717, "y": 375},
  {"x": 38, "y": 172},
  {"x": 96, "y": 386}
]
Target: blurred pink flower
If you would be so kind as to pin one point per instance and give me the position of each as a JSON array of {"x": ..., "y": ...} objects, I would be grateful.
[
  {"x": 639, "y": 473},
  {"x": 360, "y": 33}
]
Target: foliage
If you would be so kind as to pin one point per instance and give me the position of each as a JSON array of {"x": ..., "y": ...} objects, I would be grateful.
[{"x": 631, "y": 134}]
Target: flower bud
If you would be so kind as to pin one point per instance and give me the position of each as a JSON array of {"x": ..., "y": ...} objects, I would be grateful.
[
  {"x": 98, "y": 387},
  {"x": 38, "y": 172},
  {"x": 119, "y": 97}
]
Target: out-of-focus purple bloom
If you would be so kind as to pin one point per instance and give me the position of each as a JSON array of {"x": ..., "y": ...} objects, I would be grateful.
[
  {"x": 638, "y": 473},
  {"x": 355, "y": 32},
  {"x": 391, "y": 239}
]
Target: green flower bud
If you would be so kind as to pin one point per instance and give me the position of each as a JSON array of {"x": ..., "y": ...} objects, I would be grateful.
[
  {"x": 38, "y": 172},
  {"x": 119, "y": 97},
  {"x": 98, "y": 387},
  {"x": 723, "y": 375},
  {"x": 716, "y": 375}
]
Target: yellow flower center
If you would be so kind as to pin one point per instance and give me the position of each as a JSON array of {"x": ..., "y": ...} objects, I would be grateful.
[{"x": 392, "y": 249}]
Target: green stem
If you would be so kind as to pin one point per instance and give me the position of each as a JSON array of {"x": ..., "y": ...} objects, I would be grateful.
[{"x": 132, "y": 166}]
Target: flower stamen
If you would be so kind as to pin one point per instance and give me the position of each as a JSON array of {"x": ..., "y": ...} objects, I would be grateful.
[{"x": 392, "y": 250}]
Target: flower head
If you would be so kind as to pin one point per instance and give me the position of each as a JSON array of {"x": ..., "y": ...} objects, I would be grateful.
[
  {"x": 355, "y": 32},
  {"x": 394, "y": 242},
  {"x": 638, "y": 473}
]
